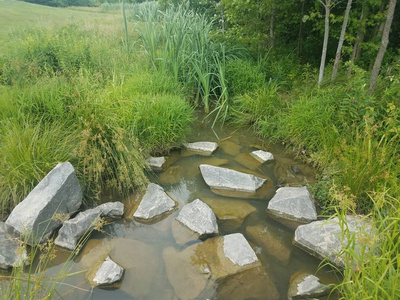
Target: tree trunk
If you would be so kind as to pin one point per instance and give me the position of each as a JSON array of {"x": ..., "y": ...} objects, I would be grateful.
[
  {"x": 271, "y": 26},
  {"x": 359, "y": 39},
  {"x": 327, "y": 6},
  {"x": 300, "y": 37},
  {"x": 382, "y": 48},
  {"x": 341, "y": 40}
]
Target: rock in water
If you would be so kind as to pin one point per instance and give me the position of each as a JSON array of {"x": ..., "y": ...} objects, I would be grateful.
[
  {"x": 156, "y": 163},
  {"x": 202, "y": 148},
  {"x": 306, "y": 286},
  {"x": 59, "y": 193},
  {"x": 324, "y": 239},
  {"x": 108, "y": 273},
  {"x": 262, "y": 156},
  {"x": 11, "y": 252},
  {"x": 238, "y": 250},
  {"x": 111, "y": 209},
  {"x": 199, "y": 217},
  {"x": 292, "y": 204},
  {"x": 227, "y": 182},
  {"x": 154, "y": 203},
  {"x": 72, "y": 230}
]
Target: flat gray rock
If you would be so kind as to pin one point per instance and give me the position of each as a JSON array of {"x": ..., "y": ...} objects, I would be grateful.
[
  {"x": 306, "y": 286},
  {"x": 73, "y": 229},
  {"x": 108, "y": 273},
  {"x": 238, "y": 250},
  {"x": 11, "y": 252},
  {"x": 156, "y": 163},
  {"x": 293, "y": 204},
  {"x": 262, "y": 156},
  {"x": 205, "y": 148},
  {"x": 222, "y": 179},
  {"x": 154, "y": 203},
  {"x": 59, "y": 193},
  {"x": 111, "y": 209},
  {"x": 198, "y": 217},
  {"x": 324, "y": 239}
]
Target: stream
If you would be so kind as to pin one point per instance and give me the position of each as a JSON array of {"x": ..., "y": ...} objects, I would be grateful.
[{"x": 139, "y": 247}]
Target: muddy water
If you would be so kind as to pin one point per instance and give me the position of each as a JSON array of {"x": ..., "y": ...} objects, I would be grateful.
[{"x": 139, "y": 247}]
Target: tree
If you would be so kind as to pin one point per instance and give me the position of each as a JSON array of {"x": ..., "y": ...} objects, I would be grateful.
[
  {"x": 382, "y": 48},
  {"x": 327, "y": 5},
  {"x": 341, "y": 40}
]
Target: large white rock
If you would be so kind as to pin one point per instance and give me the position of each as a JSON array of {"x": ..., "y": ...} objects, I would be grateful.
[
  {"x": 306, "y": 286},
  {"x": 238, "y": 250},
  {"x": 325, "y": 240},
  {"x": 108, "y": 273},
  {"x": 262, "y": 156},
  {"x": 73, "y": 229},
  {"x": 59, "y": 193},
  {"x": 199, "y": 217},
  {"x": 202, "y": 148},
  {"x": 156, "y": 163},
  {"x": 12, "y": 253},
  {"x": 154, "y": 203},
  {"x": 230, "y": 182},
  {"x": 293, "y": 204}
]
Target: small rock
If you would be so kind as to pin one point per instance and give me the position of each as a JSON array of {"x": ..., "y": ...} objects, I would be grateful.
[
  {"x": 202, "y": 148},
  {"x": 262, "y": 156},
  {"x": 238, "y": 250},
  {"x": 325, "y": 240},
  {"x": 306, "y": 286},
  {"x": 156, "y": 163},
  {"x": 111, "y": 209},
  {"x": 225, "y": 181},
  {"x": 154, "y": 203},
  {"x": 59, "y": 193},
  {"x": 292, "y": 204},
  {"x": 108, "y": 273},
  {"x": 199, "y": 217},
  {"x": 295, "y": 170},
  {"x": 12, "y": 253}
]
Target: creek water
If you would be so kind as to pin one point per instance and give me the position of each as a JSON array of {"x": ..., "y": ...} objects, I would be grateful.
[{"x": 139, "y": 247}]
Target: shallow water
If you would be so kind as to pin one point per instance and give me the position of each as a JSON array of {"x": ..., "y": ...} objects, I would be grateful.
[{"x": 139, "y": 247}]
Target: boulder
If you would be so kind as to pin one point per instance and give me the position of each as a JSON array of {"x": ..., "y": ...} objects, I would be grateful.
[
  {"x": 270, "y": 242},
  {"x": 202, "y": 148},
  {"x": 227, "y": 182},
  {"x": 108, "y": 273},
  {"x": 73, "y": 229},
  {"x": 306, "y": 286},
  {"x": 156, "y": 163},
  {"x": 325, "y": 240},
  {"x": 292, "y": 205},
  {"x": 154, "y": 203},
  {"x": 198, "y": 217},
  {"x": 12, "y": 252},
  {"x": 262, "y": 156},
  {"x": 58, "y": 194},
  {"x": 230, "y": 212},
  {"x": 193, "y": 271},
  {"x": 111, "y": 209}
]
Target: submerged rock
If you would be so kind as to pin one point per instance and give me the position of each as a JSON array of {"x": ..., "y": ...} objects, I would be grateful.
[
  {"x": 248, "y": 161},
  {"x": 59, "y": 193},
  {"x": 156, "y": 163},
  {"x": 198, "y": 217},
  {"x": 154, "y": 203},
  {"x": 262, "y": 236},
  {"x": 230, "y": 212},
  {"x": 108, "y": 273},
  {"x": 262, "y": 156},
  {"x": 325, "y": 240},
  {"x": 292, "y": 204},
  {"x": 306, "y": 286},
  {"x": 193, "y": 271},
  {"x": 73, "y": 229},
  {"x": 202, "y": 148},
  {"x": 227, "y": 182},
  {"x": 171, "y": 175},
  {"x": 230, "y": 148},
  {"x": 12, "y": 253}
]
